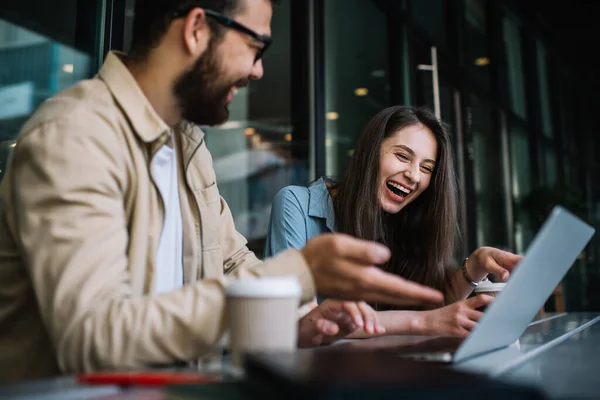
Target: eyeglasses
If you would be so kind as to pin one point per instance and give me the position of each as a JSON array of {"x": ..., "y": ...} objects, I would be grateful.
[{"x": 230, "y": 23}]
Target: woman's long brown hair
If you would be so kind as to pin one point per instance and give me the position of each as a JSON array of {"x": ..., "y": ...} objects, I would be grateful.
[{"x": 422, "y": 235}]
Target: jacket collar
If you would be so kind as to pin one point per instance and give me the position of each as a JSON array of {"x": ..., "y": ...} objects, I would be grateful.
[
  {"x": 147, "y": 124},
  {"x": 191, "y": 137},
  {"x": 320, "y": 204}
]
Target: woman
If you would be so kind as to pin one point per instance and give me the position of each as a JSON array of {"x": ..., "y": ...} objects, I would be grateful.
[{"x": 399, "y": 189}]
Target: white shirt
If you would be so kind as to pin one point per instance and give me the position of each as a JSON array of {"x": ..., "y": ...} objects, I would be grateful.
[{"x": 169, "y": 266}]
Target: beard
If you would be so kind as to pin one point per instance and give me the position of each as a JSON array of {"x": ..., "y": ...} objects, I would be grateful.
[{"x": 202, "y": 92}]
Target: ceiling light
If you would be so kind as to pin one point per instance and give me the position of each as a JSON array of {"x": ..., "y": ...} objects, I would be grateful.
[
  {"x": 332, "y": 115},
  {"x": 482, "y": 61}
]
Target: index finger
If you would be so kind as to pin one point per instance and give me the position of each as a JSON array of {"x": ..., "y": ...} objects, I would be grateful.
[
  {"x": 360, "y": 251},
  {"x": 479, "y": 301},
  {"x": 355, "y": 313},
  {"x": 506, "y": 259},
  {"x": 390, "y": 288}
]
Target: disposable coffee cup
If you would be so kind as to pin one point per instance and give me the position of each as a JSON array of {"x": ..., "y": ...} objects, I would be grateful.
[
  {"x": 490, "y": 288},
  {"x": 262, "y": 316}
]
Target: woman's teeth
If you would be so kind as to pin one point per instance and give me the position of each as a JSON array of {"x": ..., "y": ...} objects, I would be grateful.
[{"x": 398, "y": 189}]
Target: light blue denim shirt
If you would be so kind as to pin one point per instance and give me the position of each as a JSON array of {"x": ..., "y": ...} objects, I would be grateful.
[{"x": 298, "y": 213}]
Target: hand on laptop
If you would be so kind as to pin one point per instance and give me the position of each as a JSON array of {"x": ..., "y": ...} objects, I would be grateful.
[
  {"x": 489, "y": 260},
  {"x": 333, "y": 320},
  {"x": 345, "y": 268},
  {"x": 457, "y": 319}
]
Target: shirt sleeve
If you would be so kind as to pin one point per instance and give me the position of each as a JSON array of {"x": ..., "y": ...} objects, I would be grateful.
[{"x": 287, "y": 226}]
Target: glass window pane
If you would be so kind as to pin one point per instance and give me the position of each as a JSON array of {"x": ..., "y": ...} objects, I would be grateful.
[
  {"x": 514, "y": 64},
  {"x": 39, "y": 58},
  {"x": 521, "y": 177},
  {"x": 544, "y": 92},
  {"x": 475, "y": 39},
  {"x": 406, "y": 67},
  {"x": 431, "y": 16},
  {"x": 356, "y": 75},
  {"x": 490, "y": 189},
  {"x": 521, "y": 186},
  {"x": 566, "y": 101},
  {"x": 551, "y": 167},
  {"x": 255, "y": 153}
]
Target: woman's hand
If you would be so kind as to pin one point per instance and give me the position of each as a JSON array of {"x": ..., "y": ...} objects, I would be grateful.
[
  {"x": 489, "y": 260},
  {"x": 457, "y": 319},
  {"x": 334, "y": 319}
]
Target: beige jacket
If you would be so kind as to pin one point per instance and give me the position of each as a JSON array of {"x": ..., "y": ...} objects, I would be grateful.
[{"x": 80, "y": 220}]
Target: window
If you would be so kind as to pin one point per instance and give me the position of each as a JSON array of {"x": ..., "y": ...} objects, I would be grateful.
[
  {"x": 357, "y": 83},
  {"x": 40, "y": 57},
  {"x": 550, "y": 167},
  {"x": 543, "y": 91},
  {"x": 430, "y": 15},
  {"x": 255, "y": 152},
  {"x": 490, "y": 185},
  {"x": 514, "y": 65},
  {"x": 476, "y": 56},
  {"x": 568, "y": 123},
  {"x": 521, "y": 185}
]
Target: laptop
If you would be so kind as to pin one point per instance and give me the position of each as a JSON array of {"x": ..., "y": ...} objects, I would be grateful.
[
  {"x": 547, "y": 260},
  {"x": 384, "y": 363}
]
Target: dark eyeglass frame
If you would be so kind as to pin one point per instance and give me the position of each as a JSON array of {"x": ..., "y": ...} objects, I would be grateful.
[{"x": 230, "y": 23}]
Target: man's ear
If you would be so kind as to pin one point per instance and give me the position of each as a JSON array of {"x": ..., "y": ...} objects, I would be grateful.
[{"x": 196, "y": 32}]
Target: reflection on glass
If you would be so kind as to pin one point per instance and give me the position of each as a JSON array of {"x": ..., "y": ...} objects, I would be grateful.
[
  {"x": 551, "y": 167},
  {"x": 33, "y": 67},
  {"x": 489, "y": 177},
  {"x": 430, "y": 15},
  {"x": 582, "y": 279},
  {"x": 566, "y": 101},
  {"x": 544, "y": 92},
  {"x": 354, "y": 59},
  {"x": 476, "y": 56},
  {"x": 406, "y": 79},
  {"x": 516, "y": 80},
  {"x": 521, "y": 185},
  {"x": 255, "y": 153}
]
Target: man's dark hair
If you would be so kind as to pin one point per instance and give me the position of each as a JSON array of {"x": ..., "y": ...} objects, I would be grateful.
[{"x": 153, "y": 17}]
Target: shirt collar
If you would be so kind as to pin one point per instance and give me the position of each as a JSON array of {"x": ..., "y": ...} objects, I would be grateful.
[
  {"x": 320, "y": 204},
  {"x": 148, "y": 125}
]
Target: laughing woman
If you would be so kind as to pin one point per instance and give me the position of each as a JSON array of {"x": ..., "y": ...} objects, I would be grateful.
[{"x": 399, "y": 190}]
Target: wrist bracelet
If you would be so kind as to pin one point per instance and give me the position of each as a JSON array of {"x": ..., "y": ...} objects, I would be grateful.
[{"x": 463, "y": 266}]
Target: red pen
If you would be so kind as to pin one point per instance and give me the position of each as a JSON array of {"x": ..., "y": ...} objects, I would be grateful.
[{"x": 144, "y": 378}]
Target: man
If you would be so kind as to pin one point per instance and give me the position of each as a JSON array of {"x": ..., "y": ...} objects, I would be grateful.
[{"x": 115, "y": 245}]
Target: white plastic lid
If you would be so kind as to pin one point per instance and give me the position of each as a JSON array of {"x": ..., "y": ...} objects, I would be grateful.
[
  {"x": 270, "y": 287},
  {"x": 489, "y": 286}
]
